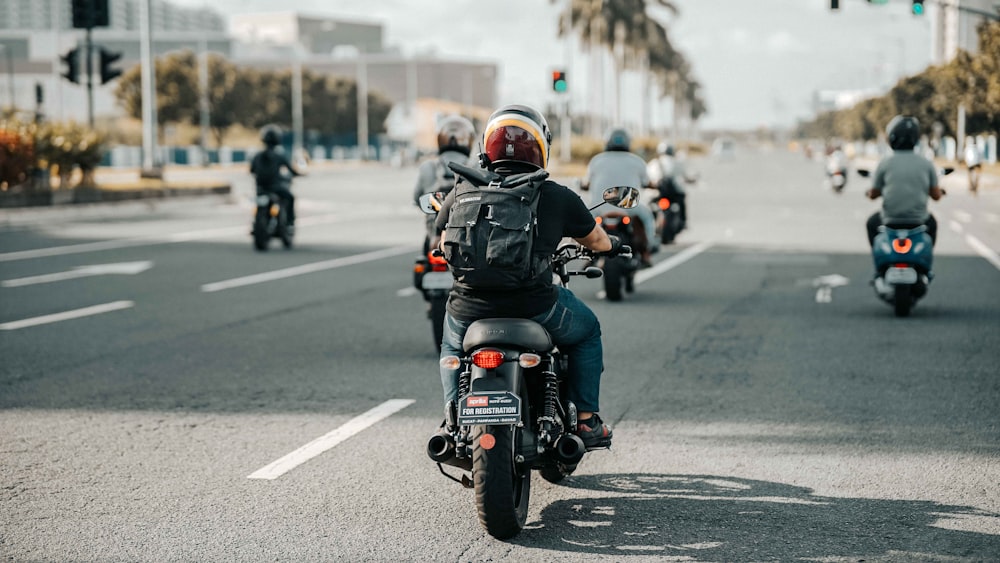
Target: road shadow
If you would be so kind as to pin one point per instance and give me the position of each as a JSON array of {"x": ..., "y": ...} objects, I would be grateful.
[{"x": 718, "y": 518}]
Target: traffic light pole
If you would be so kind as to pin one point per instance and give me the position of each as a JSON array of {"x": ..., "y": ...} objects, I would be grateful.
[{"x": 89, "y": 53}]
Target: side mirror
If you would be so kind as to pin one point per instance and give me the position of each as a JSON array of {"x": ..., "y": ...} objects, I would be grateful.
[
  {"x": 431, "y": 203},
  {"x": 863, "y": 172},
  {"x": 622, "y": 196}
]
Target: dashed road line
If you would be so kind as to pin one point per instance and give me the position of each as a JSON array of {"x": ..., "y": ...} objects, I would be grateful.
[
  {"x": 285, "y": 464},
  {"x": 67, "y": 315},
  {"x": 306, "y": 269}
]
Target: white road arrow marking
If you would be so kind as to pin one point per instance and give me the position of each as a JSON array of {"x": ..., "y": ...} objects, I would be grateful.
[
  {"x": 121, "y": 268},
  {"x": 824, "y": 286}
]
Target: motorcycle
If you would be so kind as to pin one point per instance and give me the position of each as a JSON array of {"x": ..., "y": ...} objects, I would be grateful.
[
  {"x": 512, "y": 416},
  {"x": 836, "y": 172},
  {"x": 619, "y": 271},
  {"x": 902, "y": 256},
  {"x": 270, "y": 221},
  {"x": 431, "y": 275}
]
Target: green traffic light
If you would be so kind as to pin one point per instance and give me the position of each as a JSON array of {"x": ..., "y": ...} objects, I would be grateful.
[
  {"x": 559, "y": 86},
  {"x": 918, "y": 8}
]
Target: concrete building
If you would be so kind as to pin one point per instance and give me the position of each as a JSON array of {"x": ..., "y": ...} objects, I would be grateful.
[{"x": 954, "y": 26}]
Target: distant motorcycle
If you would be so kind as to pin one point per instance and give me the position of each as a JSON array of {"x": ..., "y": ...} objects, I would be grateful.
[
  {"x": 270, "y": 221},
  {"x": 619, "y": 271},
  {"x": 836, "y": 172},
  {"x": 903, "y": 256}
]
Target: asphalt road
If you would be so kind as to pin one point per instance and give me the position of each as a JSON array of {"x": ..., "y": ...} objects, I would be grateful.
[{"x": 757, "y": 415}]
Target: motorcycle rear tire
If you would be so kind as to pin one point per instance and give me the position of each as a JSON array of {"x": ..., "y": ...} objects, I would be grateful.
[
  {"x": 902, "y": 301},
  {"x": 614, "y": 274},
  {"x": 260, "y": 234},
  {"x": 502, "y": 488}
]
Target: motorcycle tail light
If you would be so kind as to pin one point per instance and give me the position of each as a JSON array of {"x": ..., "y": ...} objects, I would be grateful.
[
  {"x": 436, "y": 260},
  {"x": 902, "y": 265},
  {"x": 664, "y": 203},
  {"x": 902, "y": 245},
  {"x": 626, "y": 220},
  {"x": 450, "y": 362},
  {"x": 488, "y": 358},
  {"x": 529, "y": 360}
]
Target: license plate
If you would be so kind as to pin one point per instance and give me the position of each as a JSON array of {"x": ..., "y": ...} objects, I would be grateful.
[
  {"x": 502, "y": 407},
  {"x": 900, "y": 275},
  {"x": 437, "y": 280}
]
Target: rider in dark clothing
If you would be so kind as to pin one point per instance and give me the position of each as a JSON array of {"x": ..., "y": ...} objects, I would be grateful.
[
  {"x": 517, "y": 140},
  {"x": 266, "y": 167}
]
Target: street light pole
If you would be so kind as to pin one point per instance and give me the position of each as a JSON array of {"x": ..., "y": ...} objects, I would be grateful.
[
  {"x": 362, "y": 86},
  {"x": 150, "y": 163}
]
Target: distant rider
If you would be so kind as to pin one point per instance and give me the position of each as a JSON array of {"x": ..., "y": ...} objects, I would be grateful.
[
  {"x": 455, "y": 136},
  {"x": 266, "y": 167},
  {"x": 616, "y": 166},
  {"x": 904, "y": 180},
  {"x": 517, "y": 139},
  {"x": 669, "y": 174},
  {"x": 974, "y": 162}
]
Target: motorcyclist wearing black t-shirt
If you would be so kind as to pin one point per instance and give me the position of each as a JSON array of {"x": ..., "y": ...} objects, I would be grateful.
[
  {"x": 266, "y": 167},
  {"x": 516, "y": 140}
]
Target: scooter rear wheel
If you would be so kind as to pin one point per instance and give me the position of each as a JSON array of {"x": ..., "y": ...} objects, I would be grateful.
[{"x": 903, "y": 301}]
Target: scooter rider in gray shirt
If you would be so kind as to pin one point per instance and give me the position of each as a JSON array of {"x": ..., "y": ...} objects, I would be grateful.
[{"x": 904, "y": 180}]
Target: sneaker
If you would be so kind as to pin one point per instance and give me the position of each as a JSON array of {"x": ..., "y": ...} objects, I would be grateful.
[{"x": 594, "y": 433}]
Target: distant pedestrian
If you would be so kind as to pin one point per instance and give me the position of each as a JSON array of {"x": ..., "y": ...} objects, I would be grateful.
[{"x": 974, "y": 162}]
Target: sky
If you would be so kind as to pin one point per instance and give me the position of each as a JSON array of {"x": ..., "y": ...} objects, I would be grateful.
[{"x": 759, "y": 61}]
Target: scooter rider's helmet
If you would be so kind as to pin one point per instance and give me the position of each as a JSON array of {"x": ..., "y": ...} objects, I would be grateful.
[
  {"x": 618, "y": 140},
  {"x": 516, "y": 134},
  {"x": 270, "y": 135},
  {"x": 903, "y": 132},
  {"x": 665, "y": 149},
  {"x": 455, "y": 133}
]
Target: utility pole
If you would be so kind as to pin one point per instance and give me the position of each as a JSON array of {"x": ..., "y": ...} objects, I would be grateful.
[
  {"x": 151, "y": 167},
  {"x": 203, "y": 97},
  {"x": 362, "y": 86}
]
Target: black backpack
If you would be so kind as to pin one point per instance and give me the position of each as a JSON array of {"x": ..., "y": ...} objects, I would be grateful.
[
  {"x": 267, "y": 169},
  {"x": 445, "y": 179},
  {"x": 490, "y": 236}
]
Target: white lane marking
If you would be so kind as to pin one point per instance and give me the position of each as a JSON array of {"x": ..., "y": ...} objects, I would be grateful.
[
  {"x": 674, "y": 261},
  {"x": 285, "y": 464},
  {"x": 825, "y": 285},
  {"x": 407, "y": 292},
  {"x": 306, "y": 269},
  {"x": 151, "y": 240},
  {"x": 962, "y": 216},
  {"x": 983, "y": 250},
  {"x": 67, "y": 315},
  {"x": 120, "y": 268},
  {"x": 956, "y": 226}
]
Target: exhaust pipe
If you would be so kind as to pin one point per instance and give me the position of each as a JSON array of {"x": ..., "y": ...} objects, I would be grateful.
[
  {"x": 569, "y": 449},
  {"x": 441, "y": 447}
]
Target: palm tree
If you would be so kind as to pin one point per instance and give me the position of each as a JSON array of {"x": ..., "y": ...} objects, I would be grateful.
[{"x": 635, "y": 39}]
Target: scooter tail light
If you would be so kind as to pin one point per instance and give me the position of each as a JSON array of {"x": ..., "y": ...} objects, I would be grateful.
[
  {"x": 902, "y": 265},
  {"x": 451, "y": 362},
  {"x": 902, "y": 245},
  {"x": 528, "y": 361},
  {"x": 488, "y": 358},
  {"x": 664, "y": 203}
]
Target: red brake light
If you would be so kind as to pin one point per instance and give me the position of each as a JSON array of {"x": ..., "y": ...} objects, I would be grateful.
[
  {"x": 436, "y": 259},
  {"x": 664, "y": 203},
  {"x": 488, "y": 359},
  {"x": 902, "y": 265}
]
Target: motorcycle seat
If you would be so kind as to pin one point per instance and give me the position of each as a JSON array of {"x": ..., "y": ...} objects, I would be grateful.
[{"x": 519, "y": 332}]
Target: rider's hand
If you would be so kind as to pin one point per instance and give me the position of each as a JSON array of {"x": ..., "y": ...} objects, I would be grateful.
[{"x": 616, "y": 246}]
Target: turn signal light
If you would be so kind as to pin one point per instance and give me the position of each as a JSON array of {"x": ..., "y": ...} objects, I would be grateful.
[
  {"x": 418, "y": 268},
  {"x": 529, "y": 360},
  {"x": 274, "y": 211},
  {"x": 599, "y": 220},
  {"x": 450, "y": 362},
  {"x": 488, "y": 359},
  {"x": 626, "y": 220},
  {"x": 664, "y": 203}
]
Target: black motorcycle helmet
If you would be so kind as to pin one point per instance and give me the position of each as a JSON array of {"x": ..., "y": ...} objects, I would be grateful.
[
  {"x": 903, "y": 132},
  {"x": 270, "y": 135},
  {"x": 455, "y": 133},
  {"x": 618, "y": 140},
  {"x": 516, "y": 135}
]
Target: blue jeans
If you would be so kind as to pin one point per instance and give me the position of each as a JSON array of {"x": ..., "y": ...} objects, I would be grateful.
[{"x": 572, "y": 326}]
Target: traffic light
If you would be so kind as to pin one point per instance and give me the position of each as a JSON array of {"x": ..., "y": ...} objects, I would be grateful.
[
  {"x": 72, "y": 62},
  {"x": 90, "y": 13},
  {"x": 108, "y": 58},
  {"x": 834, "y": 5},
  {"x": 878, "y": 1},
  {"x": 559, "y": 80},
  {"x": 918, "y": 7}
]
